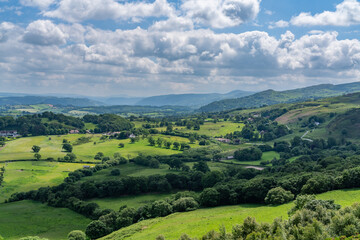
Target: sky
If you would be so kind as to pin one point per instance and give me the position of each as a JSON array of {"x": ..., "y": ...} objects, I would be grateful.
[{"x": 157, "y": 47}]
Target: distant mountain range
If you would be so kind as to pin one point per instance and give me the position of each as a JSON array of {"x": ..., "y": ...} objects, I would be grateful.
[
  {"x": 212, "y": 102},
  {"x": 187, "y": 100},
  {"x": 190, "y": 100},
  {"x": 32, "y": 100},
  {"x": 271, "y": 97}
]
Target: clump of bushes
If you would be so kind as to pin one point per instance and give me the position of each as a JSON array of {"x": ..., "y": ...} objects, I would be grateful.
[{"x": 278, "y": 195}]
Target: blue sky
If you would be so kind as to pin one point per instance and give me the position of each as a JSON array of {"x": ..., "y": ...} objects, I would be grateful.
[{"x": 142, "y": 48}]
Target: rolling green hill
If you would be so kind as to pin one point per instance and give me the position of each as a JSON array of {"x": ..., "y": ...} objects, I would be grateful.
[
  {"x": 197, "y": 223},
  {"x": 271, "y": 97},
  {"x": 29, "y": 218}
]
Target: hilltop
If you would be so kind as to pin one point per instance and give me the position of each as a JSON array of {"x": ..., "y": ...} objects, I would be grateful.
[
  {"x": 271, "y": 97},
  {"x": 192, "y": 100}
]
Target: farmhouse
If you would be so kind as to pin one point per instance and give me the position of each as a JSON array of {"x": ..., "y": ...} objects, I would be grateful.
[
  {"x": 223, "y": 140},
  {"x": 9, "y": 133},
  {"x": 74, "y": 131},
  {"x": 132, "y": 136}
]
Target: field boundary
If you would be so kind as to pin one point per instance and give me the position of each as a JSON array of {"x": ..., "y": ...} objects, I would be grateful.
[{"x": 33, "y": 160}]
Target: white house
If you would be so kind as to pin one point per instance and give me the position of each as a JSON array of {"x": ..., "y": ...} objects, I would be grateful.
[{"x": 9, "y": 133}]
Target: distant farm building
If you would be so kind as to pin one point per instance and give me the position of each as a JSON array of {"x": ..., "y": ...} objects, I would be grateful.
[
  {"x": 223, "y": 140},
  {"x": 74, "y": 131},
  {"x": 9, "y": 133},
  {"x": 132, "y": 136},
  {"x": 111, "y": 133}
]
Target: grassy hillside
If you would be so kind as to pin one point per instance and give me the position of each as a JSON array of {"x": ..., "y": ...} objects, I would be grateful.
[
  {"x": 31, "y": 175},
  {"x": 130, "y": 201},
  {"x": 296, "y": 117},
  {"x": 199, "y": 222},
  {"x": 271, "y": 97},
  {"x": 28, "y": 218},
  {"x": 346, "y": 125}
]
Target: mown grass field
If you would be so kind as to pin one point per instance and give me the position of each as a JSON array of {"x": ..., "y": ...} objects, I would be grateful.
[
  {"x": 31, "y": 175},
  {"x": 28, "y": 218},
  {"x": 216, "y": 129},
  {"x": 51, "y": 146},
  {"x": 267, "y": 156},
  {"x": 198, "y": 222}
]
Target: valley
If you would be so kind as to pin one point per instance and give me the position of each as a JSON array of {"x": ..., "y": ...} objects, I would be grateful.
[{"x": 138, "y": 170}]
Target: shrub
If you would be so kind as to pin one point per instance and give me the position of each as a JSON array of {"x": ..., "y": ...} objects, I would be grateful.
[
  {"x": 115, "y": 172},
  {"x": 249, "y": 154},
  {"x": 96, "y": 229},
  {"x": 209, "y": 197},
  {"x": 185, "y": 204},
  {"x": 76, "y": 235},
  {"x": 278, "y": 195}
]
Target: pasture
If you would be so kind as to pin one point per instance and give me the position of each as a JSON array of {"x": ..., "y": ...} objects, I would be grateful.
[
  {"x": 199, "y": 222},
  {"x": 51, "y": 147},
  {"x": 267, "y": 156},
  {"x": 215, "y": 129},
  {"x": 130, "y": 201},
  {"x": 31, "y": 175},
  {"x": 29, "y": 218},
  {"x": 130, "y": 169}
]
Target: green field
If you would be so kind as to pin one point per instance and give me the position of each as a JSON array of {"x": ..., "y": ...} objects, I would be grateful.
[
  {"x": 267, "y": 156},
  {"x": 20, "y": 149},
  {"x": 131, "y": 170},
  {"x": 198, "y": 222},
  {"x": 130, "y": 201},
  {"x": 216, "y": 129},
  {"x": 31, "y": 175},
  {"x": 28, "y": 218}
]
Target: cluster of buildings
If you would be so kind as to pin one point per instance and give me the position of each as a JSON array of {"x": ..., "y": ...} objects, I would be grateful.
[{"x": 9, "y": 133}]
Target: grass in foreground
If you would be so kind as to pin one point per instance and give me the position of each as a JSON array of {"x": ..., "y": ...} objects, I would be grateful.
[
  {"x": 199, "y": 222},
  {"x": 28, "y": 218}
]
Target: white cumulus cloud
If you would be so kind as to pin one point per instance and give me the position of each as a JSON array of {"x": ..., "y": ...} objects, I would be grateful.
[
  {"x": 221, "y": 13},
  {"x": 44, "y": 32},
  {"x": 81, "y": 10},
  {"x": 279, "y": 24},
  {"x": 73, "y": 57},
  {"x": 347, "y": 13}
]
